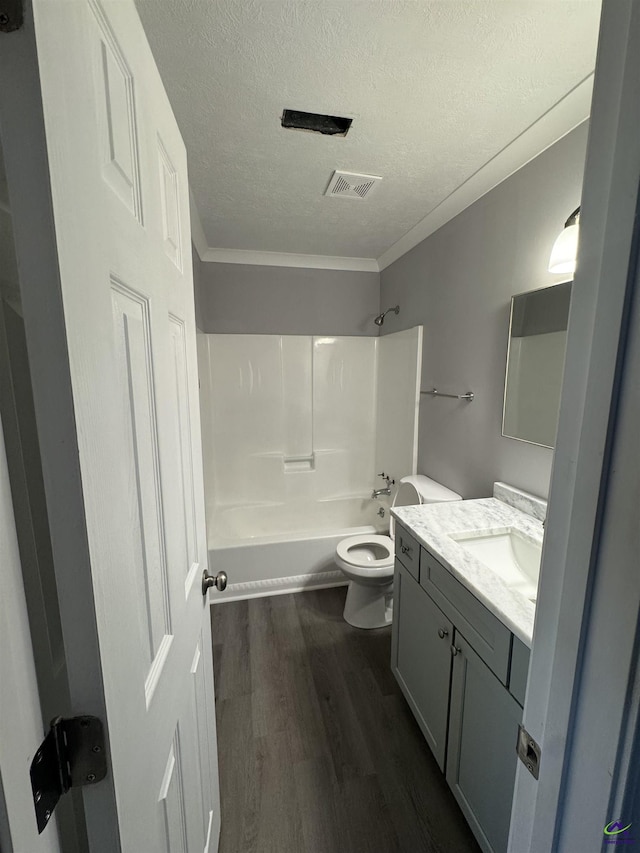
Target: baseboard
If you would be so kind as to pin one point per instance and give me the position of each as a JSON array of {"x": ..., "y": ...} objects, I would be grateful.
[{"x": 279, "y": 586}]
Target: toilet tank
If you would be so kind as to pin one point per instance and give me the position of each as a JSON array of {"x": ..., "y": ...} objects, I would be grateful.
[{"x": 418, "y": 489}]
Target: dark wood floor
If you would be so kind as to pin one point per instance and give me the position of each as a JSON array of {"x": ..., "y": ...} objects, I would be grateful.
[{"x": 319, "y": 752}]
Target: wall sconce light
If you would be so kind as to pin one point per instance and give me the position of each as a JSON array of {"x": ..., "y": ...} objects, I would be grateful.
[{"x": 565, "y": 249}]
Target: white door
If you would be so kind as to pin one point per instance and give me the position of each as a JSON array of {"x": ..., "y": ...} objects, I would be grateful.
[
  {"x": 128, "y": 513},
  {"x": 20, "y": 718}
]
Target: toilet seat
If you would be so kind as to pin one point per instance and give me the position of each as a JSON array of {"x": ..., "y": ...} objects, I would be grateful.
[
  {"x": 352, "y": 553},
  {"x": 368, "y": 559}
]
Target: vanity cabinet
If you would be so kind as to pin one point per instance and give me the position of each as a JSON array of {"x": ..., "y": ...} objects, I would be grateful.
[{"x": 464, "y": 675}]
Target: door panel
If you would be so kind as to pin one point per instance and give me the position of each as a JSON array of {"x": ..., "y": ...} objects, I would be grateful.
[
  {"x": 117, "y": 125},
  {"x": 174, "y": 822},
  {"x": 183, "y": 439},
  {"x": 145, "y": 509}
]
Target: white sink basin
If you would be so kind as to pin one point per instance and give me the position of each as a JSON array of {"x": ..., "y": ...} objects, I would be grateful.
[{"x": 510, "y": 555}]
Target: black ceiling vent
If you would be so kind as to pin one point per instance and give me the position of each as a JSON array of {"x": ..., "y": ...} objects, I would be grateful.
[{"x": 316, "y": 123}]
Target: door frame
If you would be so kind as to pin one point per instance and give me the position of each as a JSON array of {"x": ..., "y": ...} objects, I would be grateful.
[
  {"x": 27, "y": 168},
  {"x": 580, "y": 789},
  {"x": 21, "y": 730}
]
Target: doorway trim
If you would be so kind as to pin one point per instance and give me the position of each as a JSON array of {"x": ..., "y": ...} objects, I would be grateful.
[{"x": 582, "y": 482}]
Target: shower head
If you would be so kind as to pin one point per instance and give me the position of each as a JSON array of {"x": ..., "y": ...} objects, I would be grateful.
[{"x": 379, "y": 320}]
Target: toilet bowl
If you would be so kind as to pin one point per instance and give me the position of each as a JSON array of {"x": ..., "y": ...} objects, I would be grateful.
[{"x": 367, "y": 560}]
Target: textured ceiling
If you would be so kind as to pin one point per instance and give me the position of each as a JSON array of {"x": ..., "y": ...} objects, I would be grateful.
[{"x": 435, "y": 90}]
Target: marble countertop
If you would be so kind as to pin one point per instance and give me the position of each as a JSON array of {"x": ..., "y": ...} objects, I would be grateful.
[{"x": 434, "y": 524}]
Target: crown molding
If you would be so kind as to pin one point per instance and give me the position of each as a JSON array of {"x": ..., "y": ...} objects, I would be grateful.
[
  {"x": 287, "y": 259},
  {"x": 269, "y": 259},
  {"x": 567, "y": 114}
]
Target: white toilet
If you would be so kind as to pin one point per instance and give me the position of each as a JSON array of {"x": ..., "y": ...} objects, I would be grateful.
[{"x": 367, "y": 560}]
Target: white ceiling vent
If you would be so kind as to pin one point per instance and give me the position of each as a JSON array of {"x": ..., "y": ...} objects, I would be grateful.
[{"x": 351, "y": 185}]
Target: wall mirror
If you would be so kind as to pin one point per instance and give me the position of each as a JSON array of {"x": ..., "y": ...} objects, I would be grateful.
[{"x": 535, "y": 361}]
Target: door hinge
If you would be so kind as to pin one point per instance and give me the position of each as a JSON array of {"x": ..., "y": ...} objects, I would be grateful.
[
  {"x": 11, "y": 16},
  {"x": 72, "y": 754},
  {"x": 529, "y": 752}
]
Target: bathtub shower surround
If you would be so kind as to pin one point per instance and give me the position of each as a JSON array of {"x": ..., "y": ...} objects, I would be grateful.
[
  {"x": 293, "y": 421},
  {"x": 398, "y": 402},
  {"x": 295, "y": 429}
]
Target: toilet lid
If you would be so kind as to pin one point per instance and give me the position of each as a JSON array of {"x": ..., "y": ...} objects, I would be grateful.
[{"x": 375, "y": 542}]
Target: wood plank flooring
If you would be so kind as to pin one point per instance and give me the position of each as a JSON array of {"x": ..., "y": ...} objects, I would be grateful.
[{"x": 318, "y": 750}]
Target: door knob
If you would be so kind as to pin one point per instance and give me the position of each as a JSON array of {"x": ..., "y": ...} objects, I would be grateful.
[
  {"x": 219, "y": 581},
  {"x": 442, "y": 633}
]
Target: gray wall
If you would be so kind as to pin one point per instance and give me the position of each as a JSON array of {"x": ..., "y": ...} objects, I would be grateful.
[
  {"x": 240, "y": 298},
  {"x": 458, "y": 284}
]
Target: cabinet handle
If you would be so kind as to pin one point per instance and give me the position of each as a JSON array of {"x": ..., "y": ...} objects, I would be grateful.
[
  {"x": 442, "y": 633},
  {"x": 455, "y": 650},
  {"x": 405, "y": 549}
]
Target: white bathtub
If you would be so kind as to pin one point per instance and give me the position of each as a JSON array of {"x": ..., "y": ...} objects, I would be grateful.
[{"x": 272, "y": 548}]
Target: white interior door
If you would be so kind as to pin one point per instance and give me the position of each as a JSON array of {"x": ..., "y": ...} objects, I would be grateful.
[{"x": 128, "y": 513}]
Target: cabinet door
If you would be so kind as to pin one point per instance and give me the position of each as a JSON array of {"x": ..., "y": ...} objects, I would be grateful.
[
  {"x": 481, "y": 761},
  {"x": 421, "y": 658}
]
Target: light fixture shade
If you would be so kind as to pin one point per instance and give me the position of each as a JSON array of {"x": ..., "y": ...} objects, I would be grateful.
[{"x": 565, "y": 250}]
